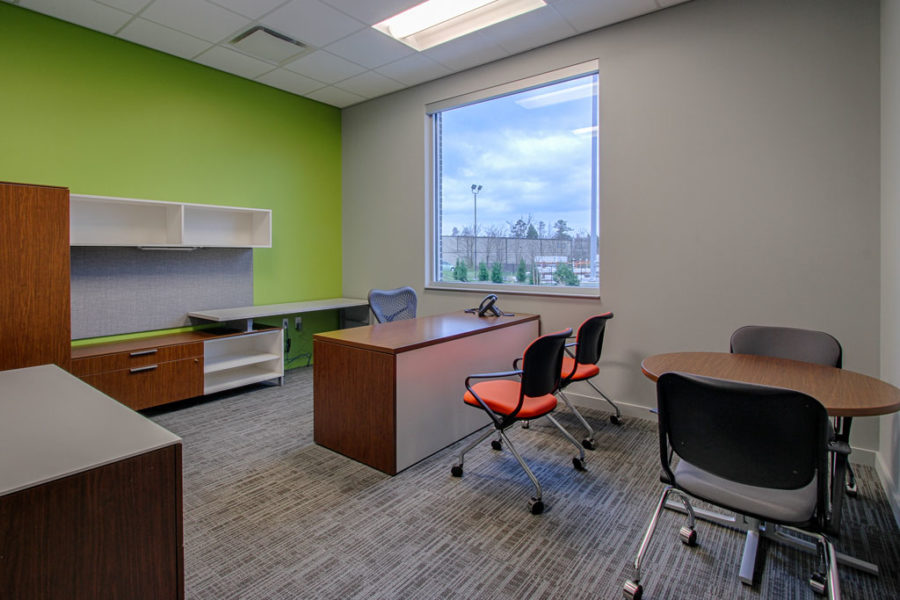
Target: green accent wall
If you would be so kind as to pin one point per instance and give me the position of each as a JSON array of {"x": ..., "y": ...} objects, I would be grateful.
[{"x": 103, "y": 116}]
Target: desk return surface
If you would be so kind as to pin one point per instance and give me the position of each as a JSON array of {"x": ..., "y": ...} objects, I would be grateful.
[{"x": 390, "y": 394}]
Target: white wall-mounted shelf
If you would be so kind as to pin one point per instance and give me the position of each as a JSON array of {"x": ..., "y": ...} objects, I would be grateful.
[
  {"x": 109, "y": 221},
  {"x": 233, "y": 361}
]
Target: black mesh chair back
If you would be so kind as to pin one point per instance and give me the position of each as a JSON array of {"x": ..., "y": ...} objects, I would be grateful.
[
  {"x": 750, "y": 434},
  {"x": 786, "y": 342},
  {"x": 542, "y": 364},
  {"x": 393, "y": 305},
  {"x": 590, "y": 339}
]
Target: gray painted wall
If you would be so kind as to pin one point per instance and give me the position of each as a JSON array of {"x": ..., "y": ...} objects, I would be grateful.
[
  {"x": 889, "y": 451},
  {"x": 739, "y": 160}
]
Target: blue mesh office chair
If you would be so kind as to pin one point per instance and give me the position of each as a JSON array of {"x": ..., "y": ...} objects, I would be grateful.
[{"x": 393, "y": 305}]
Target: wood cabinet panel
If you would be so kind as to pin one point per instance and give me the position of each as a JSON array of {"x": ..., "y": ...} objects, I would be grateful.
[
  {"x": 139, "y": 357},
  {"x": 35, "y": 315},
  {"x": 111, "y": 532},
  {"x": 353, "y": 412},
  {"x": 152, "y": 385}
]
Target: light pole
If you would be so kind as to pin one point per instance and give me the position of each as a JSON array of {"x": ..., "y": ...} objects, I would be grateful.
[{"x": 475, "y": 190}]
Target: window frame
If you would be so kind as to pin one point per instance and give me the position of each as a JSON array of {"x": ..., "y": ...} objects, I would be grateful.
[{"x": 433, "y": 234}]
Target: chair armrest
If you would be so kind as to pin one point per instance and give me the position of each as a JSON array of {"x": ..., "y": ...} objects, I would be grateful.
[
  {"x": 839, "y": 447},
  {"x": 494, "y": 375}
]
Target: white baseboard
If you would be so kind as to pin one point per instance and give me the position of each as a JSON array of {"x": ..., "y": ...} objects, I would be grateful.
[{"x": 889, "y": 486}]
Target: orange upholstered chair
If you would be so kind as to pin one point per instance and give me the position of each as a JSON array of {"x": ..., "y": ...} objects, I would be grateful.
[
  {"x": 581, "y": 365},
  {"x": 529, "y": 396}
]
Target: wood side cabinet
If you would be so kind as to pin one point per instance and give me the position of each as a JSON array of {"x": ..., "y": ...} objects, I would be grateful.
[
  {"x": 35, "y": 314},
  {"x": 144, "y": 372},
  {"x": 90, "y": 494}
]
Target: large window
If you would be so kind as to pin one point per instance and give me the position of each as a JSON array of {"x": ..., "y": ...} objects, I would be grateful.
[{"x": 515, "y": 187}]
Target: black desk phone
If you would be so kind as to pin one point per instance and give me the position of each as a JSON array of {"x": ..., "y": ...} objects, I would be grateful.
[{"x": 489, "y": 308}]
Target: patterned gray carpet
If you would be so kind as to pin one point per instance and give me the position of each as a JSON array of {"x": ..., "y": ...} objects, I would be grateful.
[{"x": 270, "y": 515}]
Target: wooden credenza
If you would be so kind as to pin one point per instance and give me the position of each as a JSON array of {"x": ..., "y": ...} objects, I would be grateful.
[
  {"x": 90, "y": 494},
  {"x": 150, "y": 371},
  {"x": 390, "y": 394}
]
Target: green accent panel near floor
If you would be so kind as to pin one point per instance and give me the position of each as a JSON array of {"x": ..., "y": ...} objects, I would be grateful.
[
  {"x": 300, "y": 352},
  {"x": 103, "y": 116}
]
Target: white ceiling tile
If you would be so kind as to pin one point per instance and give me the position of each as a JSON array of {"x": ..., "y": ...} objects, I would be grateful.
[
  {"x": 86, "y": 13},
  {"x": 466, "y": 52},
  {"x": 325, "y": 67},
  {"x": 233, "y": 62},
  {"x": 414, "y": 69},
  {"x": 290, "y": 82},
  {"x": 335, "y": 97},
  {"x": 147, "y": 33},
  {"x": 253, "y": 9},
  {"x": 196, "y": 17},
  {"x": 312, "y": 22},
  {"x": 370, "y": 12},
  {"x": 586, "y": 15},
  {"x": 530, "y": 30},
  {"x": 369, "y": 85},
  {"x": 370, "y": 48},
  {"x": 131, "y": 6}
]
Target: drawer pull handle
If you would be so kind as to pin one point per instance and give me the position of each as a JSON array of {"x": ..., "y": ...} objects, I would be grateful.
[
  {"x": 141, "y": 369},
  {"x": 143, "y": 352}
]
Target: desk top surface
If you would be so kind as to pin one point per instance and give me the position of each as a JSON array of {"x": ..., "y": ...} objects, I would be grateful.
[
  {"x": 843, "y": 393},
  {"x": 53, "y": 425},
  {"x": 409, "y": 334},
  {"x": 240, "y": 313}
]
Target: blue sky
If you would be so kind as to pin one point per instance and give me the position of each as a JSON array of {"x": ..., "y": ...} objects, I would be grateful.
[{"x": 530, "y": 151}]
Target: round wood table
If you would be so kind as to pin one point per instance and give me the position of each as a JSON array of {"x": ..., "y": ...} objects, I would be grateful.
[{"x": 842, "y": 392}]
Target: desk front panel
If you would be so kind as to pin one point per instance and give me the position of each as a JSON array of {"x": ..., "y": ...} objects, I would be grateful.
[
  {"x": 430, "y": 410},
  {"x": 353, "y": 406}
]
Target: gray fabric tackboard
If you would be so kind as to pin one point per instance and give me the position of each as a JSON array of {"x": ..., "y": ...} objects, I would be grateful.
[{"x": 125, "y": 290}]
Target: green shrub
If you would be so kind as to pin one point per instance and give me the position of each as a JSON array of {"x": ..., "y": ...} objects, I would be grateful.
[{"x": 496, "y": 273}]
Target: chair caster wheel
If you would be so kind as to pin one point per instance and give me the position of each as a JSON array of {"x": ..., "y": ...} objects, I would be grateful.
[
  {"x": 496, "y": 445},
  {"x": 588, "y": 443},
  {"x": 632, "y": 590},
  {"x": 851, "y": 490},
  {"x": 456, "y": 470},
  {"x": 688, "y": 536},
  {"x": 526, "y": 424},
  {"x": 578, "y": 464},
  {"x": 536, "y": 506},
  {"x": 615, "y": 420},
  {"x": 818, "y": 583}
]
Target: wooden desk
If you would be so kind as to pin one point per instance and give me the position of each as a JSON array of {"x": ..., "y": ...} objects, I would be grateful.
[
  {"x": 390, "y": 394},
  {"x": 843, "y": 393},
  {"x": 90, "y": 494}
]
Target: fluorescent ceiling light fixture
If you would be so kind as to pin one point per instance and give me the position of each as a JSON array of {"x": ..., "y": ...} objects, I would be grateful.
[
  {"x": 437, "y": 21},
  {"x": 269, "y": 45}
]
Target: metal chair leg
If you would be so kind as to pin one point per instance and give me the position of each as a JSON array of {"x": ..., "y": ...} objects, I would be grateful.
[
  {"x": 616, "y": 418},
  {"x": 536, "y": 504},
  {"x": 578, "y": 461},
  {"x": 589, "y": 440},
  {"x": 457, "y": 468}
]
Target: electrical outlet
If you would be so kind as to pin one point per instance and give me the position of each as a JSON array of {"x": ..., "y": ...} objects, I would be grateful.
[
  {"x": 298, "y": 323},
  {"x": 284, "y": 323}
]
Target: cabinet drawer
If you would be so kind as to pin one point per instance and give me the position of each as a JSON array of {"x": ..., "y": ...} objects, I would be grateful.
[
  {"x": 140, "y": 357},
  {"x": 152, "y": 384}
]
